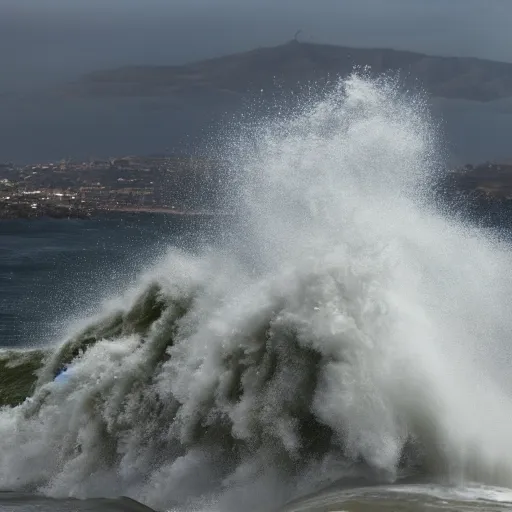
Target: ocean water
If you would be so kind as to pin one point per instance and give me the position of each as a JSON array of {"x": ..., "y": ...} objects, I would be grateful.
[
  {"x": 345, "y": 345},
  {"x": 53, "y": 270},
  {"x": 81, "y": 128}
]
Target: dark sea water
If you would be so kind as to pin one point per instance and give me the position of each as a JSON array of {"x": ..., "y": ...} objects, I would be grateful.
[
  {"x": 80, "y": 128},
  {"x": 20, "y": 502},
  {"x": 52, "y": 270}
]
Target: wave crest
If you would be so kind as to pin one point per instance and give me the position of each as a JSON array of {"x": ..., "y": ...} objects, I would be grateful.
[{"x": 339, "y": 333}]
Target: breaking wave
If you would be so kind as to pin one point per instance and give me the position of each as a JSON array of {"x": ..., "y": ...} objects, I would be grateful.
[{"x": 348, "y": 327}]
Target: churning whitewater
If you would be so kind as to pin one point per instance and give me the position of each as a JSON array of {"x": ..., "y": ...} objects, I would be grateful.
[{"x": 349, "y": 327}]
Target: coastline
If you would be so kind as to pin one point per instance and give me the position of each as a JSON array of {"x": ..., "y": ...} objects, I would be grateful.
[
  {"x": 162, "y": 209},
  {"x": 59, "y": 212}
]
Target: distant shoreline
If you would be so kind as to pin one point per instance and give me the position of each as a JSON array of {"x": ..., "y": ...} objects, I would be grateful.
[
  {"x": 85, "y": 214},
  {"x": 170, "y": 211}
]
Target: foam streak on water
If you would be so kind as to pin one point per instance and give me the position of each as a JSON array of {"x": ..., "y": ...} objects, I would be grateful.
[{"x": 349, "y": 330}]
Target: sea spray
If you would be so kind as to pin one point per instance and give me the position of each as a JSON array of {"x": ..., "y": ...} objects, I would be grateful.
[{"x": 348, "y": 328}]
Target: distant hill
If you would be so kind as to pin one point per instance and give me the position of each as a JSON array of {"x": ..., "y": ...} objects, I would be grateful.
[{"x": 296, "y": 62}]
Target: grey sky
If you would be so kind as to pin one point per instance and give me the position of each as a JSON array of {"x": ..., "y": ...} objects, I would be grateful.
[{"x": 52, "y": 40}]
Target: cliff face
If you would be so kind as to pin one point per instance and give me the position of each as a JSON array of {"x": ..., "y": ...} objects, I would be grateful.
[{"x": 287, "y": 65}]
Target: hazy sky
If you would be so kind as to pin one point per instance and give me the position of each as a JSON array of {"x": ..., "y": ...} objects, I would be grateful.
[{"x": 54, "y": 40}]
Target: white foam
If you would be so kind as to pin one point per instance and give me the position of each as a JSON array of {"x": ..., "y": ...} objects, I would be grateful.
[{"x": 345, "y": 299}]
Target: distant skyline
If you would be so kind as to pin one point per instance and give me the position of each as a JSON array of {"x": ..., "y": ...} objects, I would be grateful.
[{"x": 48, "y": 41}]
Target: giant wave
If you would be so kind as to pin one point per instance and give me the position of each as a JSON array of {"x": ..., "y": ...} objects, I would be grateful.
[{"x": 350, "y": 327}]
